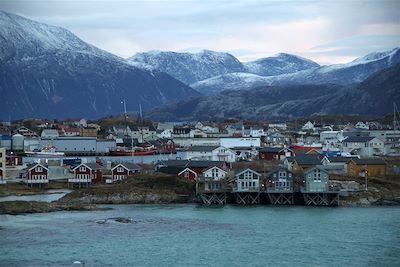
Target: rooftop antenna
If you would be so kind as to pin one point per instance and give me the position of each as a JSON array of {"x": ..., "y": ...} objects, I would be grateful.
[
  {"x": 123, "y": 102},
  {"x": 396, "y": 124}
]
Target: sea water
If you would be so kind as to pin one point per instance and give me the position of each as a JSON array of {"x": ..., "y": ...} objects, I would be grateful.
[{"x": 190, "y": 235}]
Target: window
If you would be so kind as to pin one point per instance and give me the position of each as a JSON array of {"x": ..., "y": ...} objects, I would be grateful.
[
  {"x": 82, "y": 168},
  {"x": 38, "y": 169},
  {"x": 120, "y": 169}
]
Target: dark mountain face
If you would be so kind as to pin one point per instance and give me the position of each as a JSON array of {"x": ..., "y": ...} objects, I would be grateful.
[
  {"x": 375, "y": 96},
  {"x": 47, "y": 71}
]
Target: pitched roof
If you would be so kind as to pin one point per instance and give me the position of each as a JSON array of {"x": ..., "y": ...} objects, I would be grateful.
[
  {"x": 91, "y": 165},
  {"x": 247, "y": 169},
  {"x": 202, "y": 148},
  {"x": 370, "y": 161},
  {"x": 306, "y": 159},
  {"x": 338, "y": 159},
  {"x": 128, "y": 165},
  {"x": 358, "y": 139},
  {"x": 30, "y": 166}
]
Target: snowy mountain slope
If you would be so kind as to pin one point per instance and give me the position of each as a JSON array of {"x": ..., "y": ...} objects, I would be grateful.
[
  {"x": 281, "y": 63},
  {"x": 374, "y": 96},
  {"x": 343, "y": 74},
  {"x": 49, "y": 72},
  {"x": 190, "y": 67}
]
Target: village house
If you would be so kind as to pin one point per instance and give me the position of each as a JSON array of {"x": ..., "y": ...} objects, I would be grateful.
[
  {"x": 364, "y": 146},
  {"x": 362, "y": 167},
  {"x": 50, "y": 134},
  {"x": 122, "y": 171},
  {"x": 197, "y": 166},
  {"x": 142, "y": 133},
  {"x": 316, "y": 180},
  {"x": 36, "y": 174},
  {"x": 281, "y": 126},
  {"x": 214, "y": 179},
  {"x": 335, "y": 165},
  {"x": 88, "y": 131},
  {"x": 181, "y": 132},
  {"x": 275, "y": 139},
  {"x": 280, "y": 180},
  {"x": 301, "y": 162},
  {"x": 216, "y": 153},
  {"x": 189, "y": 174},
  {"x": 274, "y": 153},
  {"x": 86, "y": 173},
  {"x": 309, "y": 126},
  {"x": 66, "y": 130},
  {"x": 247, "y": 180},
  {"x": 25, "y": 132}
]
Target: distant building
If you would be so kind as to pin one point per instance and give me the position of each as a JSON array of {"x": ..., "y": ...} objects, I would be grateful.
[
  {"x": 26, "y": 132},
  {"x": 50, "y": 133},
  {"x": 316, "y": 180},
  {"x": 36, "y": 174},
  {"x": 364, "y": 146},
  {"x": 87, "y": 173},
  {"x": 247, "y": 180},
  {"x": 2, "y": 165},
  {"x": 218, "y": 153},
  {"x": 362, "y": 167},
  {"x": 275, "y": 153},
  {"x": 122, "y": 171}
]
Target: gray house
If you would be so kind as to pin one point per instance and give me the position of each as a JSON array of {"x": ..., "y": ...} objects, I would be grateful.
[
  {"x": 280, "y": 180},
  {"x": 316, "y": 180}
]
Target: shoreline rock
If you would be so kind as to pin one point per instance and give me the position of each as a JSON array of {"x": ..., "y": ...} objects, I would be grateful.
[{"x": 27, "y": 207}]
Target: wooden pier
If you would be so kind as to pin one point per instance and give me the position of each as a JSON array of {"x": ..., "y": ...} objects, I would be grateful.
[
  {"x": 328, "y": 198},
  {"x": 247, "y": 198},
  {"x": 211, "y": 191},
  {"x": 280, "y": 197}
]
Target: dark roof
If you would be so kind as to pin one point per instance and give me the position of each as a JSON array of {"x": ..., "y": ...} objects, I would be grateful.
[
  {"x": 305, "y": 159},
  {"x": 31, "y": 165},
  {"x": 202, "y": 148},
  {"x": 93, "y": 166},
  {"x": 338, "y": 159},
  {"x": 273, "y": 149},
  {"x": 243, "y": 170},
  {"x": 128, "y": 165},
  {"x": 371, "y": 161},
  {"x": 358, "y": 139},
  {"x": 192, "y": 163}
]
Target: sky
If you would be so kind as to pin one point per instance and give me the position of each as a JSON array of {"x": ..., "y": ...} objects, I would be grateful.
[{"x": 327, "y": 32}]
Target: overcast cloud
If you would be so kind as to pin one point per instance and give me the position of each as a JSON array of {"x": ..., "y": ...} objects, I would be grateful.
[{"x": 325, "y": 31}]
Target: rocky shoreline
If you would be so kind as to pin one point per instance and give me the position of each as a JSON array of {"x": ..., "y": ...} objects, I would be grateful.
[{"x": 25, "y": 207}]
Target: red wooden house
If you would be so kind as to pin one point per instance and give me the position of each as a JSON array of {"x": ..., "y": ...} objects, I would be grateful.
[
  {"x": 87, "y": 173},
  {"x": 124, "y": 170},
  {"x": 36, "y": 173},
  {"x": 275, "y": 153},
  {"x": 188, "y": 173}
]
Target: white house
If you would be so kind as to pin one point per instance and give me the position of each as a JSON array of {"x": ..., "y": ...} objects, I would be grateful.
[
  {"x": 309, "y": 126},
  {"x": 215, "y": 173},
  {"x": 217, "y": 153},
  {"x": 257, "y": 132},
  {"x": 364, "y": 146},
  {"x": 247, "y": 180},
  {"x": 50, "y": 133},
  {"x": 361, "y": 125}
]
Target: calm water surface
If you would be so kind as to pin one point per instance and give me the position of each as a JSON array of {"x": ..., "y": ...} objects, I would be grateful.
[{"x": 188, "y": 235}]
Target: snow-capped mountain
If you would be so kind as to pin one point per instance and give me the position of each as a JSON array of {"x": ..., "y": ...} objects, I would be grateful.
[
  {"x": 374, "y": 96},
  {"x": 281, "y": 63},
  {"x": 190, "y": 67},
  {"x": 48, "y": 71},
  {"x": 343, "y": 74}
]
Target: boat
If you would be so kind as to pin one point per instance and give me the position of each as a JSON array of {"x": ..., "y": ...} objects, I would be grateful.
[
  {"x": 46, "y": 152},
  {"x": 306, "y": 147},
  {"x": 132, "y": 152}
]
